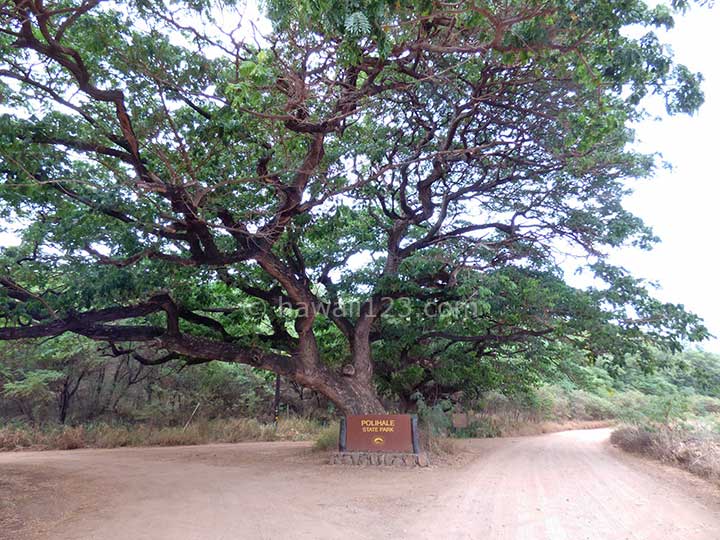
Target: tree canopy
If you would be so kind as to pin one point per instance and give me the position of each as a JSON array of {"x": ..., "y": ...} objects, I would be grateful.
[{"x": 353, "y": 193}]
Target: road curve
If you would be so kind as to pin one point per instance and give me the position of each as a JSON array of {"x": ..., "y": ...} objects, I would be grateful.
[
  {"x": 572, "y": 486},
  {"x": 562, "y": 486}
]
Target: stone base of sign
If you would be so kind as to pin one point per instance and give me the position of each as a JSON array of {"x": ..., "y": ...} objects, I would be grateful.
[{"x": 379, "y": 458}]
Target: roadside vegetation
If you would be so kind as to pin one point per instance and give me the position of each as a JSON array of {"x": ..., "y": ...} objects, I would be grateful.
[
  {"x": 689, "y": 445},
  {"x": 62, "y": 395},
  {"x": 670, "y": 412},
  {"x": 102, "y": 435}
]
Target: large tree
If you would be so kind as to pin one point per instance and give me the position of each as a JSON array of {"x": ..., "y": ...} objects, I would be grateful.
[{"x": 310, "y": 196}]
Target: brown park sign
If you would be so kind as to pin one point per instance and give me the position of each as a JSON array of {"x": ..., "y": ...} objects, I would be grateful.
[{"x": 379, "y": 433}]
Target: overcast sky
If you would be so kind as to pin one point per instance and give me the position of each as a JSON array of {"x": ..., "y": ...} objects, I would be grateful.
[{"x": 680, "y": 205}]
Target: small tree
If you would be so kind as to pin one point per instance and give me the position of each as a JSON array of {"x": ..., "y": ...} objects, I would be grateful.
[{"x": 33, "y": 391}]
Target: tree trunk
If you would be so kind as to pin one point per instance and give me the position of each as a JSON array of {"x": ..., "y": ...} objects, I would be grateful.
[
  {"x": 351, "y": 392},
  {"x": 62, "y": 414},
  {"x": 276, "y": 401},
  {"x": 358, "y": 397},
  {"x": 64, "y": 401}
]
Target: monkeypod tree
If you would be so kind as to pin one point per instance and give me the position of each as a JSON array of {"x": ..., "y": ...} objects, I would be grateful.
[
  {"x": 509, "y": 329},
  {"x": 303, "y": 193}
]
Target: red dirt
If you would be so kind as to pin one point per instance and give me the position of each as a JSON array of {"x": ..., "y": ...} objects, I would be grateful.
[{"x": 570, "y": 485}]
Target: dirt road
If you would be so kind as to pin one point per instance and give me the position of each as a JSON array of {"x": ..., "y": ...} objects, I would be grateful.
[{"x": 570, "y": 485}]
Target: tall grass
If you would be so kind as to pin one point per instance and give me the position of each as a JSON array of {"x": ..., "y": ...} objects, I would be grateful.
[{"x": 22, "y": 437}]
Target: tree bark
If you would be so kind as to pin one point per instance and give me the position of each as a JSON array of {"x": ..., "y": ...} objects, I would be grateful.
[
  {"x": 352, "y": 396},
  {"x": 353, "y": 390},
  {"x": 64, "y": 403},
  {"x": 361, "y": 399}
]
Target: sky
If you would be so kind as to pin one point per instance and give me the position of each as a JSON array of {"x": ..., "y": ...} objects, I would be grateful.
[
  {"x": 683, "y": 205},
  {"x": 680, "y": 205}
]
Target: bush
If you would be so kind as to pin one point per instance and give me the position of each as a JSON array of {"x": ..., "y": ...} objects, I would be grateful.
[
  {"x": 630, "y": 405},
  {"x": 435, "y": 421},
  {"x": 704, "y": 405},
  {"x": 494, "y": 402},
  {"x": 691, "y": 447},
  {"x": 483, "y": 427},
  {"x": 442, "y": 446},
  {"x": 106, "y": 436},
  {"x": 240, "y": 430},
  {"x": 297, "y": 428},
  {"x": 539, "y": 404},
  {"x": 635, "y": 439},
  {"x": 70, "y": 438},
  {"x": 591, "y": 406},
  {"x": 549, "y": 403},
  {"x": 13, "y": 437},
  {"x": 327, "y": 438},
  {"x": 668, "y": 408}
]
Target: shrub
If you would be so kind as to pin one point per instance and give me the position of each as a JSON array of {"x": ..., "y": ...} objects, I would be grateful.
[
  {"x": 106, "y": 436},
  {"x": 13, "y": 437},
  {"x": 636, "y": 439},
  {"x": 174, "y": 436},
  {"x": 704, "y": 405},
  {"x": 535, "y": 405},
  {"x": 591, "y": 406},
  {"x": 484, "y": 427},
  {"x": 630, "y": 405},
  {"x": 494, "y": 402},
  {"x": 435, "y": 421},
  {"x": 69, "y": 438},
  {"x": 297, "y": 428},
  {"x": 327, "y": 438},
  {"x": 442, "y": 446},
  {"x": 667, "y": 408},
  {"x": 691, "y": 447},
  {"x": 240, "y": 430}
]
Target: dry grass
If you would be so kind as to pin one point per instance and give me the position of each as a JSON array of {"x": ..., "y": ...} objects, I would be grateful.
[
  {"x": 70, "y": 438},
  {"x": 328, "y": 438},
  {"x": 298, "y": 429},
  {"x": 694, "y": 449},
  {"x": 240, "y": 430},
  {"x": 443, "y": 446},
  {"x": 22, "y": 437},
  {"x": 115, "y": 436},
  {"x": 12, "y": 438}
]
